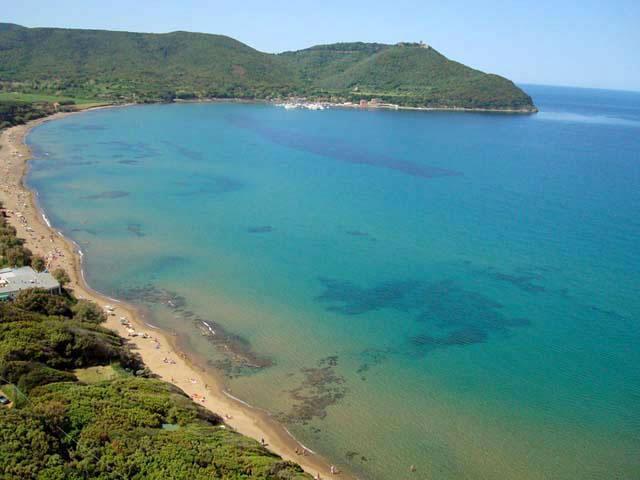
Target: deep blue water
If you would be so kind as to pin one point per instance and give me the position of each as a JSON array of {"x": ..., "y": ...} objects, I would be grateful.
[{"x": 450, "y": 290}]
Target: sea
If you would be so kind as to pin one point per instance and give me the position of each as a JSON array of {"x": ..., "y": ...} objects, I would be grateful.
[{"x": 414, "y": 295}]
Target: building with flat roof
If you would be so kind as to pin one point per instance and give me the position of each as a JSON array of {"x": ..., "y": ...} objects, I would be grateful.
[{"x": 12, "y": 280}]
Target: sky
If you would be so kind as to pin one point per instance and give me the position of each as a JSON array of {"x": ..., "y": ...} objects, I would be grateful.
[{"x": 556, "y": 42}]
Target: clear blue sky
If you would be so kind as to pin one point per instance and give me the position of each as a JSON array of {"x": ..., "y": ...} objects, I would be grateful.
[{"x": 561, "y": 42}]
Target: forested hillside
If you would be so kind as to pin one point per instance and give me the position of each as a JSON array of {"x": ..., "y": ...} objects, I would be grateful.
[
  {"x": 408, "y": 74},
  {"x": 124, "y": 66}
]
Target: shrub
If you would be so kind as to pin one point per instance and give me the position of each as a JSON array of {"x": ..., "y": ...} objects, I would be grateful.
[
  {"x": 27, "y": 375},
  {"x": 38, "y": 264},
  {"x": 61, "y": 276},
  {"x": 17, "y": 256},
  {"x": 86, "y": 311},
  {"x": 40, "y": 301}
]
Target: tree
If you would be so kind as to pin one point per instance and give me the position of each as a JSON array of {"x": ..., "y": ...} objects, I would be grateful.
[
  {"x": 40, "y": 301},
  {"x": 61, "y": 276},
  {"x": 38, "y": 264},
  {"x": 17, "y": 256},
  {"x": 86, "y": 311}
]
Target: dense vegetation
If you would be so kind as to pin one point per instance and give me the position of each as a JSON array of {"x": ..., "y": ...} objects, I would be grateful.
[
  {"x": 67, "y": 424},
  {"x": 407, "y": 74},
  {"x": 13, "y": 112},
  {"x": 126, "y": 427},
  {"x": 123, "y": 66},
  {"x": 13, "y": 253}
]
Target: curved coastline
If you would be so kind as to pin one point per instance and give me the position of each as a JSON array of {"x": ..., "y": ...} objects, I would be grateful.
[{"x": 205, "y": 386}]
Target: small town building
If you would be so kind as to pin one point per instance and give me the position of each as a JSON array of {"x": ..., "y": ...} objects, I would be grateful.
[{"x": 12, "y": 280}]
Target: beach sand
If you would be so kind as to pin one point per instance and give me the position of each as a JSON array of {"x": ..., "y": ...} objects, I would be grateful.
[{"x": 158, "y": 349}]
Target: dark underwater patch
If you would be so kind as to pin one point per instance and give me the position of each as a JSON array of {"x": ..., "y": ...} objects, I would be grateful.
[
  {"x": 350, "y": 299},
  {"x": 238, "y": 358},
  {"x": 151, "y": 294},
  {"x": 353, "y": 455},
  {"x": 184, "y": 151},
  {"x": 454, "y": 316},
  {"x": 136, "y": 229},
  {"x": 524, "y": 281},
  {"x": 138, "y": 150},
  {"x": 260, "y": 229},
  {"x": 112, "y": 194},
  {"x": 320, "y": 388},
  {"x": 207, "y": 185},
  {"x": 80, "y": 163},
  {"x": 128, "y": 162},
  {"x": 609, "y": 313},
  {"x": 360, "y": 234},
  {"x": 339, "y": 150},
  {"x": 371, "y": 357},
  {"x": 450, "y": 315}
]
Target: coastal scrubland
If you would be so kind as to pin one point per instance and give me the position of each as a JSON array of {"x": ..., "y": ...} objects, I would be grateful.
[
  {"x": 19, "y": 108},
  {"x": 139, "y": 67},
  {"x": 18, "y": 112}
]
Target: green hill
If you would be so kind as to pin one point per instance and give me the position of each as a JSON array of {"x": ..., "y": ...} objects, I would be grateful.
[
  {"x": 124, "y": 66},
  {"x": 405, "y": 74},
  {"x": 136, "y": 65}
]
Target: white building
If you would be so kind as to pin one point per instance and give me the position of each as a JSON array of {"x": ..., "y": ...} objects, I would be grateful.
[{"x": 12, "y": 280}]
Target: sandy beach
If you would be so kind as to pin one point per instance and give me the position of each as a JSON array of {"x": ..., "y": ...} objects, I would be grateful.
[{"x": 157, "y": 349}]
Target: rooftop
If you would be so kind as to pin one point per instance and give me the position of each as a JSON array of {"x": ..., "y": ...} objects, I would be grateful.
[{"x": 12, "y": 280}]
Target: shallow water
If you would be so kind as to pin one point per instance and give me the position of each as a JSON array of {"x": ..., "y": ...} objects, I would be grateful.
[{"x": 454, "y": 291}]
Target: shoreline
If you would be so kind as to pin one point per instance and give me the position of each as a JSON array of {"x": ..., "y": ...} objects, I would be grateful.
[
  {"x": 369, "y": 106},
  {"x": 159, "y": 349}
]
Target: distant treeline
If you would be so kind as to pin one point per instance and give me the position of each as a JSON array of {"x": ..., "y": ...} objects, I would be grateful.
[{"x": 16, "y": 112}]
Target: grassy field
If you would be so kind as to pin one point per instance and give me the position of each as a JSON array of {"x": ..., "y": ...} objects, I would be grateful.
[
  {"x": 34, "y": 97},
  {"x": 97, "y": 374}
]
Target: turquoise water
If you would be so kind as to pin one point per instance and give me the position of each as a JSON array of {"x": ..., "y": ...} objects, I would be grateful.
[{"x": 454, "y": 291}]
